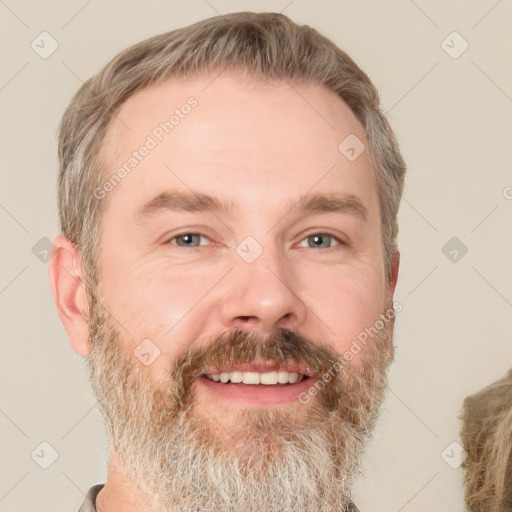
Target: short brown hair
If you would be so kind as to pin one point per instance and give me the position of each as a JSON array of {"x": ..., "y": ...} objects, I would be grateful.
[{"x": 266, "y": 45}]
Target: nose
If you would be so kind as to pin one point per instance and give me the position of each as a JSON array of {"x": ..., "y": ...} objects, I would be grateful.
[{"x": 260, "y": 296}]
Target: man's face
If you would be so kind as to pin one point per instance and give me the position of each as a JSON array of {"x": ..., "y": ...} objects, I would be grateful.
[{"x": 301, "y": 283}]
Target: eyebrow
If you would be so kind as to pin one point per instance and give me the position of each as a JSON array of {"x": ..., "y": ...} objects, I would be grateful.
[{"x": 197, "y": 202}]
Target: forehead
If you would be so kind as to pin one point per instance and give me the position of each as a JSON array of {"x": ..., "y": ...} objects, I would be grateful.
[{"x": 231, "y": 136}]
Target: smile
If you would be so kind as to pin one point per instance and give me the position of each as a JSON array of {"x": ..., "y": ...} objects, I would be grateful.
[
  {"x": 267, "y": 378},
  {"x": 247, "y": 387}
]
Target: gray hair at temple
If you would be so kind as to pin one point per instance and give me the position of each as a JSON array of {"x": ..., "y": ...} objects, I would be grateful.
[{"x": 264, "y": 45}]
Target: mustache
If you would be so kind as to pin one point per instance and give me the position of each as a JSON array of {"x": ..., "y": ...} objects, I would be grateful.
[{"x": 241, "y": 346}]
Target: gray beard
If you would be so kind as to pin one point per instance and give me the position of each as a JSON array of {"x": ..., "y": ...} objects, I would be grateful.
[{"x": 279, "y": 459}]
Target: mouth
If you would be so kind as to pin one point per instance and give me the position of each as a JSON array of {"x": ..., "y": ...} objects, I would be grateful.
[
  {"x": 257, "y": 385},
  {"x": 272, "y": 378}
]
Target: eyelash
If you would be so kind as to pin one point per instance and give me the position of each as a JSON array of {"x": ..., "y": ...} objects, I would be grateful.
[{"x": 324, "y": 233}]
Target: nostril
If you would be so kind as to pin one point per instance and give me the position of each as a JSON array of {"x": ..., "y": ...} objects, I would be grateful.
[{"x": 245, "y": 318}]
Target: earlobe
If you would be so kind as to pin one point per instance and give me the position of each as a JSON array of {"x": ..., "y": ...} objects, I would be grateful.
[
  {"x": 68, "y": 287},
  {"x": 393, "y": 276}
]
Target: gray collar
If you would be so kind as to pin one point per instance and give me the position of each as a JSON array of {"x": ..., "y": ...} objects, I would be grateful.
[{"x": 89, "y": 504}]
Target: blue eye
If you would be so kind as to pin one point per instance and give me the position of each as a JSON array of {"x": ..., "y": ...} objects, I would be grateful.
[
  {"x": 321, "y": 240},
  {"x": 188, "y": 239},
  {"x": 316, "y": 240}
]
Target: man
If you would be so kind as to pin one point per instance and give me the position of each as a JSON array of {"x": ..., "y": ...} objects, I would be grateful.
[{"x": 228, "y": 198}]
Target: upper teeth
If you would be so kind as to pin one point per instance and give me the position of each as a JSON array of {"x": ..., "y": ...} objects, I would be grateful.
[{"x": 279, "y": 377}]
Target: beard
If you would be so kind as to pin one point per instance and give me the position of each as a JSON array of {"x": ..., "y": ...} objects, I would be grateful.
[{"x": 182, "y": 455}]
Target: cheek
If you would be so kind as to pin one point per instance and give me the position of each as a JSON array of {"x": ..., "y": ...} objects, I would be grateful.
[
  {"x": 158, "y": 304},
  {"x": 149, "y": 312},
  {"x": 347, "y": 302},
  {"x": 150, "y": 292}
]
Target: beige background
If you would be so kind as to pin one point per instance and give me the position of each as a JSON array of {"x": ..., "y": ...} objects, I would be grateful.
[{"x": 452, "y": 117}]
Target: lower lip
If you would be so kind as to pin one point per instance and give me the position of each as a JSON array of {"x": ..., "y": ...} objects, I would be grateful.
[{"x": 257, "y": 395}]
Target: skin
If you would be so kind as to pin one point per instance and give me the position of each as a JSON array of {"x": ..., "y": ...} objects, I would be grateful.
[{"x": 261, "y": 146}]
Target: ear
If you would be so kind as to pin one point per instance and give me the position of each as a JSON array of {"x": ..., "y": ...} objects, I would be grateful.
[
  {"x": 68, "y": 287},
  {"x": 393, "y": 276}
]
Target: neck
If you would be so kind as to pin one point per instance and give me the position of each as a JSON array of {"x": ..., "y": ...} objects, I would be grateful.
[{"x": 119, "y": 492}]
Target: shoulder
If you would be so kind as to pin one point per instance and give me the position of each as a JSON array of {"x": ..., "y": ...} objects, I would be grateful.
[{"x": 89, "y": 504}]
